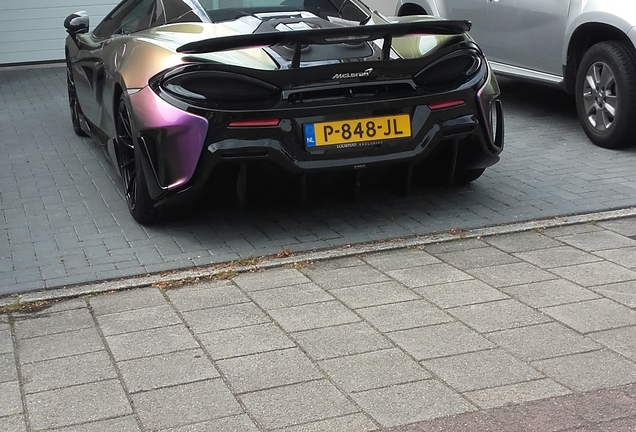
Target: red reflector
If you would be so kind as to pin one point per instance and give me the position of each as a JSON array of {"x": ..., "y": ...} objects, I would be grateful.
[
  {"x": 255, "y": 123},
  {"x": 444, "y": 105}
]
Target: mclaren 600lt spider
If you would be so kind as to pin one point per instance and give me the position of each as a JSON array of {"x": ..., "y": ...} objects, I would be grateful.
[{"x": 176, "y": 91}]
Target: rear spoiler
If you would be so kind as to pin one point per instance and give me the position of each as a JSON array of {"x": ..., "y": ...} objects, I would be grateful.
[{"x": 327, "y": 36}]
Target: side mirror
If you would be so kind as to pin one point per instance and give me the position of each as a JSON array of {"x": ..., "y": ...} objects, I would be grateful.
[{"x": 76, "y": 23}]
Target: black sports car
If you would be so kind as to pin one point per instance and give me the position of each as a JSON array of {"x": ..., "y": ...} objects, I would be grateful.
[{"x": 179, "y": 90}]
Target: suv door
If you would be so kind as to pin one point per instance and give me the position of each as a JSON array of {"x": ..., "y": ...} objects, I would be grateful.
[
  {"x": 525, "y": 33},
  {"x": 475, "y": 11}
]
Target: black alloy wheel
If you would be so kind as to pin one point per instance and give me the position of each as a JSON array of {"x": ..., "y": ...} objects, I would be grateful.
[
  {"x": 73, "y": 103},
  {"x": 140, "y": 204},
  {"x": 606, "y": 94}
]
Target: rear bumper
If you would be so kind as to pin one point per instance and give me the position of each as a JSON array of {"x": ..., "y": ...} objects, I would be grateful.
[{"x": 180, "y": 160}]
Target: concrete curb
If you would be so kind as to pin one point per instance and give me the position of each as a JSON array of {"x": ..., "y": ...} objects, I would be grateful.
[{"x": 176, "y": 277}]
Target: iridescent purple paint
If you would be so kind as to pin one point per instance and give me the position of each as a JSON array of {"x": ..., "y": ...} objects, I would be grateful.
[{"x": 183, "y": 134}]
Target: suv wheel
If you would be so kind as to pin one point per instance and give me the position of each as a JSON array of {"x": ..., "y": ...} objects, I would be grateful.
[{"x": 606, "y": 94}]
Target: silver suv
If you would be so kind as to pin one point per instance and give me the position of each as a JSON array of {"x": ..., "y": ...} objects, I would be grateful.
[{"x": 586, "y": 47}]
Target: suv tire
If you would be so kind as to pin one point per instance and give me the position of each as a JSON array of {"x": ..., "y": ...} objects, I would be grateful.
[{"x": 606, "y": 94}]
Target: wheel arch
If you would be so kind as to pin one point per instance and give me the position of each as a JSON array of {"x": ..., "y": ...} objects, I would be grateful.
[
  {"x": 583, "y": 38},
  {"x": 408, "y": 9},
  {"x": 118, "y": 91}
]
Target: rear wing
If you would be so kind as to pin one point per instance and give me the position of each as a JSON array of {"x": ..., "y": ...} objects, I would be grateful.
[{"x": 328, "y": 36}]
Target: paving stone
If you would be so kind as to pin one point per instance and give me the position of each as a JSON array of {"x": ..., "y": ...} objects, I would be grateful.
[
  {"x": 542, "y": 341},
  {"x": 432, "y": 274},
  {"x": 150, "y": 342},
  {"x": 334, "y": 264},
  {"x": 511, "y": 274},
  {"x": 621, "y": 340},
  {"x": 14, "y": 423},
  {"x": 593, "y": 315},
  {"x": 412, "y": 402},
  {"x": 373, "y": 370},
  {"x": 622, "y": 292},
  {"x": 141, "y": 319},
  {"x": 59, "y": 306},
  {"x": 149, "y": 373},
  {"x": 400, "y": 259},
  {"x": 6, "y": 344},
  {"x": 374, "y": 294},
  {"x": 8, "y": 371},
  {"x": 206, "y": 295},
  {"x": 570, "y": 230},
  {"x": 224, "y": 317},
  {"x": 59, "y": 345},
  {"x": 516, "y": 393},
  {"x": 242, "y": 341},
  {"x": 78, "y": 404},
  {"x": 296, "y": 404},
  {"x": 480, "y": 370},
  {"x": 621, "y": 425},
  {"x": 11, "y": 398},
  {"x": 453, "y": 246},
  {"x": 274, "y": 278},
  {"x": 348, "y": 423},
  {"x": 440, "y": 340},
  {"x": 540, "y": 416},
  {"x": 184, "y": 404},
  {"x": 557, "y": 257},
  {"x": 345, "y": 277},
  {"x": 598, "y": 273},
  {"x": 589, "y": 371},
  {"x": 476, "y": 258},
  {"x": 312, "y": 316},
  {"x": 67, "y": 371},
  {"x": 520, "y": 242},
  {"x": 499, "y": 315},
  {"x": 126, "y": 300},
  {"x": 625, "y": 227},
  {"x": 461, "y": 293},
  {"x": 601, "y": 406},
  {"x": 472, "y": 421},
  {"x": 47, "y": 324},
  {"x": 598, "y": 240},
  {"x": 331, "y": 342},
  {"x": 550, "y": 293},
  {"x": 404, "y": 315},
  {"x": 267, "y": 370},
  {"x": 625, "y": 256},
  {"x": 240, "y": 423},
  {"x": 121, "y": 424},
  {"x": 296, "y": 295}
]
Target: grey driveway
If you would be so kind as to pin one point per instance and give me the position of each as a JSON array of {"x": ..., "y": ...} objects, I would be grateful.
[{"x": 64, "y": 220}]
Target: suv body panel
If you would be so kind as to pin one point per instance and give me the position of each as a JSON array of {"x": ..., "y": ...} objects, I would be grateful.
[{"x": 534, "y": 44}]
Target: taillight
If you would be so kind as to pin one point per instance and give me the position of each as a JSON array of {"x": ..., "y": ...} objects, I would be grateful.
[
  {"x": 254, "y": 123},
  {"x": 220, "y": 89},
  {"x": 446, "y": 104},
  {"x": 451, "y": 69}
]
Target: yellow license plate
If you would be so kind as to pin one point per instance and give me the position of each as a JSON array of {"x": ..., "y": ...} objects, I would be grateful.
[{"x": 352, "y": 133}]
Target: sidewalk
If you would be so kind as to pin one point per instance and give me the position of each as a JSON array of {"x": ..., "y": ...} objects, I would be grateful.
[{"x": 532, "y": 331}]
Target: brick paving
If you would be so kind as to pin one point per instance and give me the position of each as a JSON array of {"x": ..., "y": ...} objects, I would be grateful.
[
  {"x": 514, "y": 332},
  {"x": 64, "y": 220}
]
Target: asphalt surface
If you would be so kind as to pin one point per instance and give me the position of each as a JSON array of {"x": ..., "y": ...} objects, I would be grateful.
[
  {"x": 65, "y": 222},
  {"x": 529, "y": 331}
]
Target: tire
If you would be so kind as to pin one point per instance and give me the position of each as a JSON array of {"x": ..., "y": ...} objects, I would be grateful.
[
  {"x": 140, "y": 205},
  {"x": 606, "y": 94},
  {"x": 466, "y": 176},
  {"x": 73, "y": 103}
]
